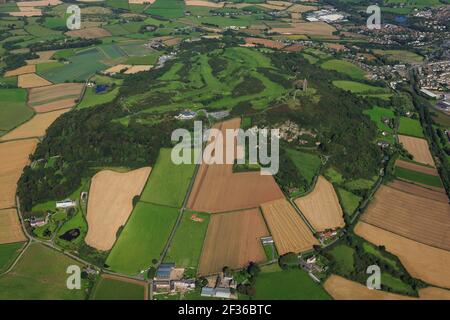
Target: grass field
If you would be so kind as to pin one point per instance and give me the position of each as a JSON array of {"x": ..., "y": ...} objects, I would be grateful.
[
  {"x": 13, "y": 108},
  {"x": 419, "y": 177},
  {"x": 410, "y": 127},
  {"x": 168, "y": 182},
  {"x": 8, "y": 252},
  {"x": 358, "y": 87},
  {"x": 344, "y": 67},
  {"x": 187, "y": 244},
  {"x": 349, "y": 201},
  {"x": 343, "y": 255},
  {"x": 395, "y": 284},
  {"x": 142, "y": 239},
  {"x": 169, "y": 9},
  {"x": 377, "y": 114},
  {"x": 370, "y": 248},
  {"x": 293, "y": 284},
  {"x": 91, "y": 99},
  {"x": 400, "y": 55},
  {"x": 306, "y": 163},
  {"x": 111, "y": 289},
  {"x": 40, "y": 275}
]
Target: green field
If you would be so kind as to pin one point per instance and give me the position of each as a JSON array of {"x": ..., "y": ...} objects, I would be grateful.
[
  {"x": 168, "y": 9},
  {"x": 188, "y": 241},
  {"x": 358, "y": 87},
  {"x": 419, "y": 177},
  {"x": 344, "y": 67},
  {"x": 40, "y": 275},
  {"x": 39, "y": 31},
  {"x": 349, "y": 201},
  {"x": 343, "y": 256},
  {"x": 8, "y": 252},
  {"x": 395, "y": 284},
  {"x": 292, "y": 284},
  {"x": 400, "y": 55},
  {"x": 91, "y": 99},
  {"x": 118, "y": 4},
  {"x": 370, "y": 248},
  {"x": 142, "y": 239},
  {"x": 376, "y": 114},
  {"x": 306, "y": 163},
  {"x": 13, "y": 108},
  {"x": 410, "y": 127},
  {"x": 168, "y": 182},
  {"x": 110, "y": 289}
]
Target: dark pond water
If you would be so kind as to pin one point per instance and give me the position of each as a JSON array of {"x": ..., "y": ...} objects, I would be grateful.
[{"x": 70, "y": 234}]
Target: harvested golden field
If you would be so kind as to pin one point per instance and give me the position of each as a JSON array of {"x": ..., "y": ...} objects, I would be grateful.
[
  {"x": 10, "y": 228},
  {"x": 95, "y": 10},
  {"x": 25, "y": 12},
  {"x": 418, "y": 148},
  {"x": 31, "y": 80},
  {"x": 432, "y": 293},
  {"x": 264, "y": 42},
  {"x": 44, "y": 56},
  {"x": 299, "y": 8},
  {"x": 20, "y": 71},
  {"x": 14, "y": 157},
  {"x": 420, "y": 260},
  {"x": 89, "y": 33},
  {"x": 336, "y": 46},
  {"x": 47, "y": 98},
  {"x": 416, "y": 167},
  {"x": 172, "y": 42},
  {"x": 218, "y": 189},
  {"x": 138, "y": 68},
  {"x": 35, "y": 127},
  {"x": 204, "y": 3},
  {"x": 38, "y": 3},
  {"x": 420, "y": 191},
  {"x": 417, "y": 218},
  {"x": 117, "y": 69},
  {"x": 233, "y": 240},
  {"x": 290, "y": 233},
  {"x": 309, "y": 28},
  {"x": 110, "y": 204},
  {"x": 321, "y": 206},
  {"x": 294, "y": 48}
]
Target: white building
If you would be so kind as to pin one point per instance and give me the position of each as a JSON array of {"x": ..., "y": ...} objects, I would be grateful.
[{"x": 66, "y": 204}]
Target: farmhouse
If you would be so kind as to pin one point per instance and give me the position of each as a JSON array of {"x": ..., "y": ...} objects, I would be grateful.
[
  {"x": 65, "y": 204},
  {"x": 39, "y": 222},
  {"x": 170, "y": 278},
  {"x": 186, "y": 115}
]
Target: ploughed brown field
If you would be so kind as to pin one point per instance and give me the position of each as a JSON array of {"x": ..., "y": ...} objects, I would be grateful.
[
  {"x": 110, "y": 204},
  {"x": 299, "y": 8},
  {"x": 416, "y": 167},
  {"x": 21, "y": 70},
  {"x": 54, "y": 97},
  {"x": 35, "y": 127},
  {"x": 44, "y": 56},
  {"x": 418, "y": 148},
  {"x": 31, "y": 80},
  {"x": 218, "y": 189},
  {"x": 290, "y": 233},
  {"x": 10, "y": 228},
  {"x": 424, "y": 192},
  {"x": 321, "y": 206},
  {"x": 309, "y": 28},
  {"x": 420, "y": 260},
  {"x": 89, "y": 33},
  {"x": 14, "y": 157},
  {"x": 417, "y": 218},
  {"x": 265, "y": 42},
  {"x": 233, "y": 240}
]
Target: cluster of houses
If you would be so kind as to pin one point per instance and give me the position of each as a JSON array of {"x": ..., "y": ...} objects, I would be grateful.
[
  {"x": 220, "y": 286},
  {"x": 42, "y": 221}
]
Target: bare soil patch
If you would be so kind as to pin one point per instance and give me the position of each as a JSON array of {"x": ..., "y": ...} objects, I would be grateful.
[
  {"x": 31, "y": 80},
  {"x": 10, "y": 228},
  {"x": 418, "y": 148}
]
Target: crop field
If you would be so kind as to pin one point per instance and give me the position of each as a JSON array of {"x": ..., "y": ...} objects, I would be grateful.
[
  {"x": 169, "y": 9},
  {"x": 292, "y": 284},
  {"x": 54, "y": 97},
  {"x": 307, "y": 164},
  {"x": 168, "y": 182},
  {"x": 8, "y": 252},
  {"x": 21, "y": 70},
  {"x": 11, "y": 230},
  {"x": 14, "y": 157},
  {"x": 265, "y": 42},
  {"x": 142, "y": 239},
  {"x": 13, "y": 109},
  {"x": 110, "y": 204},
  {"x": 344, "y": 67},
  {"x": 424, "y": 220},
  {"x": 321, "y": 206},
  {"x": 89, "y": 33},
  {"x": 400, "y": 55},
  {"x": 111, "y": 288},
  {"x": 44, "y": 56},
  {"x": 289, "y": 231},
  {"x": 308, "y": 28},
  {"x": 188, "y": 241},
  {"x": 205, "y": 3},
  {"x": 419, "y": 191},
  {"x": 419, "y": 177},
  {"x": 218, "y": 189},
  {"x": 416, "y": 167},
  {"x": 31, "y": 80},
  {"x": 418, "y": 148},
  {"x": 233, "y": 240},
  {"x": 421, "y": 261},
  {"x": 349, "y": 201},
  {"x": 35, "y": 127},
  {"x": 410, "y": 127},
  {"x": 42, "y": 271}
]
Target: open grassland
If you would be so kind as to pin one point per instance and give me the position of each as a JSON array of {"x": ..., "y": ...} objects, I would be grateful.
[
  {"x": 233, "y": 240},
  {"x": 419, "y": 191},
  {"x": 35, "y": 127},
  {"x": 218, "y": 189},
  {"x": 378, "y": 114},
  {"x": 11, "y": 230},
  {"x": 40, "y": 275},
  {"x": 292, "y": 284},
  {"x": 13, "y": 108},
  {"x": 142, "y": 239},
  {"x": 9, "y": 252},
  {"x": 92, "y": 99},
  {"x": 343, "y": 255},
  {"x": 288, "y": 230},
  {"x": 358, "y": 87},
  {"x": 112, "y": 288},
  {"x": 349, "y": 201},
  {"x": 321, "y": 206},
  {"x": 418, "y": 148},
  {"x": 344, "y": 67},
  {"x": 14, "y": 157},
  {"x": 421, "y": 261},
  {"x": 419, "y": 177},
  {"x": 410, "y": 127},
  {"x": 31, "y": 80},
  {"x": 168, "y": 9},
  {"x": 187, "y": 243},
  {"x": 307, "y": 164},
  {"x": 424, "y": 220},
  {"x": 168, "y": 182},
  {"x": 55, "y": 97},
  {"x": 110, "y": 204}
]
